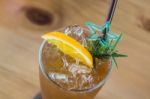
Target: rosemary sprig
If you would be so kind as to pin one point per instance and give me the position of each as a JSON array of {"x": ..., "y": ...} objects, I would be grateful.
[{"x": 101, "y": 48}]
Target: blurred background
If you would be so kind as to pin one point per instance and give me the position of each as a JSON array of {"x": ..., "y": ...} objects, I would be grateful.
[{"x": 22, "y": 22}]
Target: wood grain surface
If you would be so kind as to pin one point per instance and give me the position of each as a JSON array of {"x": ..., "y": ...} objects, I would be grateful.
[{"x": 22, "y": 22}]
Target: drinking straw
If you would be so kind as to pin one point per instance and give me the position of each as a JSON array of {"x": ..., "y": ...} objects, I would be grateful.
[{"x": 110, "y": 15}]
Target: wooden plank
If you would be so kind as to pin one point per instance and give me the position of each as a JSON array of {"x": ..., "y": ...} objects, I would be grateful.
[{"x": 20, "y": 40}]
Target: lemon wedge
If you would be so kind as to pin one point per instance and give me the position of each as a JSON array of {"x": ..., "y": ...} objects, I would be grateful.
[{"x": 70, "y": 46}]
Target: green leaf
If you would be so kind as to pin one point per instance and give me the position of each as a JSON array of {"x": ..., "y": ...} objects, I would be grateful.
[
  {"x": 118, "y": 55},
  {"x": 114, "y": 46},
  {"x": 114, "y": 61}
]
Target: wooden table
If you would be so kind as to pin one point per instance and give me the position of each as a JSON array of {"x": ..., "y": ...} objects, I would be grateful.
[{"x": 21, "y": 38}]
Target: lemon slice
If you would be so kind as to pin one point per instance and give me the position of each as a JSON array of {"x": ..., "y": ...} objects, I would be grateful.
[{"x": 70, "y": 47}]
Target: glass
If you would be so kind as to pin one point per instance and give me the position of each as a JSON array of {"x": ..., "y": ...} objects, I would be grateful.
[{"x": 50, "y": 89}]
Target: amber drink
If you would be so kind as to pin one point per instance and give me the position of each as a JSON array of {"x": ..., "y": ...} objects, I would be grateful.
[{"x": 62, "y": 77}]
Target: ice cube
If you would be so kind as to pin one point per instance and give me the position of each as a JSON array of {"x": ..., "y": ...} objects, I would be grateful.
[
  {"x": 78, "y": 33},
  {"x": 68, "y": 30},
  {"x": 75, "y": 29},
  {"x": 78, "y": 69},
  {"x": 58, "y": 76},
  {"x": 65, "y": 62}
]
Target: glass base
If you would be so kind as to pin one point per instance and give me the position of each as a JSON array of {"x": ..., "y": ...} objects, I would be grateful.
[{"x": 38, "y": 96}]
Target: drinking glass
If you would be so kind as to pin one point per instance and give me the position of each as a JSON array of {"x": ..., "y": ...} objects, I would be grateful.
[{"x": 51, "y": 90}]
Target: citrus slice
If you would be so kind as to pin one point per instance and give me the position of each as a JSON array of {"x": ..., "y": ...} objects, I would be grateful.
[{"x": 69, "y": 46}]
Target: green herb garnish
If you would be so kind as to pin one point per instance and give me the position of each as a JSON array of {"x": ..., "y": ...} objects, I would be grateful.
[{"x": 100, "y": 47}]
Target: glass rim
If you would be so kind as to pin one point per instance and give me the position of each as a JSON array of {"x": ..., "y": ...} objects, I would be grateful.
[{"x": 42, "y": 69}]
